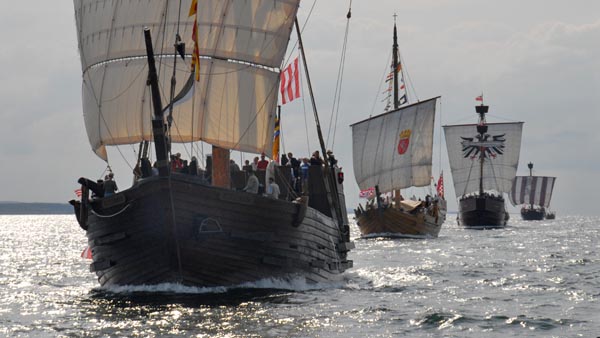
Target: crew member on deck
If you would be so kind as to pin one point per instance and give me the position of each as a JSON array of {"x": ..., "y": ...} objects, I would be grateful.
[
  {"x": 110, "y": 186},
  {"x": 252, "y": 184},
  {"x": 262, "y": 164},
  {"x": 304, "y": 175},
  {"x": 332, "y": 161},
  {"x": 273, "y": 189},
  {"x": 316, "y": 158}
]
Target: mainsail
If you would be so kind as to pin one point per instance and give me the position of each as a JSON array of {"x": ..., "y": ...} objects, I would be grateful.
[
  {"x": 393, "y": 150},
  {"x": 501, "y": 161},
  {"x": 241, "y": 43},
  {"x": 533, "y": 190}
]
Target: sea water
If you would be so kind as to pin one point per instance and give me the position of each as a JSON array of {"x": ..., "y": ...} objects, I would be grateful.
[{"x": 531, "y": 279}]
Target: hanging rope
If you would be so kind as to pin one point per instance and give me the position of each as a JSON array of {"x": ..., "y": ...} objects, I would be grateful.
[
  {"x": 335, "y": 108},
  {"x": 381, "y": 82},
  {"x": 409, "y": 79},
  {"x": 305, "y": 119}
]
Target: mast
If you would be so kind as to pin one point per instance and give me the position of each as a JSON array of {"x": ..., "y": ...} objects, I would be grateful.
[
  {"x": 330, "y": 182},
  {"x": 395, "y": 65},
  {"x": 482, "y": 128},
  {"x": 158, "y": 125},
  {"x": 396, "y": 102},
  {"x": 530, "y": 166}
]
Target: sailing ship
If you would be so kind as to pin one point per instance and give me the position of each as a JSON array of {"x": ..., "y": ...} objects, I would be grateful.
[
  {"x": 393, "y": 151},
  {"x": 534, "y": 194},
  {"x": 483, "y": 159},
  {"x": 175, "y": 227}
]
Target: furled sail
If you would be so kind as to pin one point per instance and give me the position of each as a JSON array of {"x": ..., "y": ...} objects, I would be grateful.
[
  {"x": 241, "y": 43},
  {"x": 500, "y": 165},
  {"x": 533, "y": 190},
  {"x": 394, "y": 149}
]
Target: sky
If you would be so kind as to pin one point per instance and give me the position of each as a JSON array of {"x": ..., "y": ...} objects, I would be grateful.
[{"x": 536, "y": 61}]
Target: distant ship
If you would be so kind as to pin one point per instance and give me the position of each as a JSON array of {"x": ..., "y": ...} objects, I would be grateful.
[
  {"x": 534, "y": 194},
  {"x": 393, "y": 151},
  {"x": 484, "y": 159}
]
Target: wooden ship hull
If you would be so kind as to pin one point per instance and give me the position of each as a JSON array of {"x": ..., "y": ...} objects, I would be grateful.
[
  {"x": 179, "y": 230},
  {"x": 531, "y": 214},
  {"x": 393, "y": 222},
  {"x": 482, "y": 212}
]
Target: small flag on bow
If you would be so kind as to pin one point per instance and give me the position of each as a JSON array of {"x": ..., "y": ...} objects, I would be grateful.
[
  {"x": 367, "y": 193},
  {"x": 86, "y": 253}
]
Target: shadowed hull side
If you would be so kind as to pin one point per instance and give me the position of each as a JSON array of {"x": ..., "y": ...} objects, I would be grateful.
[
  {"x": 213, "y": 237},
  {"x": 528, "y": 214},
  {"x": 391, "y": 222},
  {"x": 484, "y": 212}
]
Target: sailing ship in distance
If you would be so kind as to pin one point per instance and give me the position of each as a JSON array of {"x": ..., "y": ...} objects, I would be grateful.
[
  {"x": 533, "y": 194},
  {"x": 483, "y": 160},
  {"x": 393, "y": 151}
]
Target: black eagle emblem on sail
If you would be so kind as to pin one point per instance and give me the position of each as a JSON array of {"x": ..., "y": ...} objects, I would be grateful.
[{"x": 488, "y": 146}]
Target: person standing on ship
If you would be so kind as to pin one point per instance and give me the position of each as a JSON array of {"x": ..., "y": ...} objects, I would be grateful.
[
  {"x": 110, "y": 186},
  {"x": 273, "y": 189},
  {"x": 316, "y": 159},
  {"x": 262, "y": 164},
  {"x": 252, "y": 184}
]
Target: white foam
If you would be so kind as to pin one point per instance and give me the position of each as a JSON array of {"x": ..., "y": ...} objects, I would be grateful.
[{"x": 292, "y": 284}]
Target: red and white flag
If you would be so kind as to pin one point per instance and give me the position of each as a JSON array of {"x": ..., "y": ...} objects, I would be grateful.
[
  {"x": 440, "y": 185},
  {"x": 479, "y": 98},
  {"x": 78, "y": 192},
  {"x": 367, "y": 193},
  {"x": 86, "y": 253},
  {"x": 290, "y": 83}
]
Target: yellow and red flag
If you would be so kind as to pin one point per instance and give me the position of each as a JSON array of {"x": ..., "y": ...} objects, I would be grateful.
[
  {"x": 276, "y": 136},
  {"x": 196, "y": 52}
]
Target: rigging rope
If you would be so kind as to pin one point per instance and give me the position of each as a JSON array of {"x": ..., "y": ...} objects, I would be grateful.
[
  {"x": 409, "y": 79},
  {"x": 335, "y": 108},
  {"x": 381, "y": 81},
  {"x": 305, "y": 119}
]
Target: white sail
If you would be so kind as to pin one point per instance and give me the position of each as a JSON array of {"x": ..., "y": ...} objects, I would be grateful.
[
  {"x": 533, "y": 190},
  {"x": 393, "y": 150},
  {"x": 499, "y": 168},
  {"x": 241, "y": 43}
]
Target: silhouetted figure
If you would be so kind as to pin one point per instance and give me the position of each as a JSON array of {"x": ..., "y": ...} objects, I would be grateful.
[
  {"x": 284, "y": 159},
  {"x": 110, "y": 186}
]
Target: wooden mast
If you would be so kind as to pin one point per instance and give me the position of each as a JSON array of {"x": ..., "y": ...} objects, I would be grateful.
[
  {"x": 158, "y": 124},
  {"x": 482, "y": 128},
  {"x": 396, "y": 101},
  {"x": 530, "y": 166},
  {"x": 220, "y": 167},
  {"x": 330, "y": 179},
  {"x": 395, "y": 65}
]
